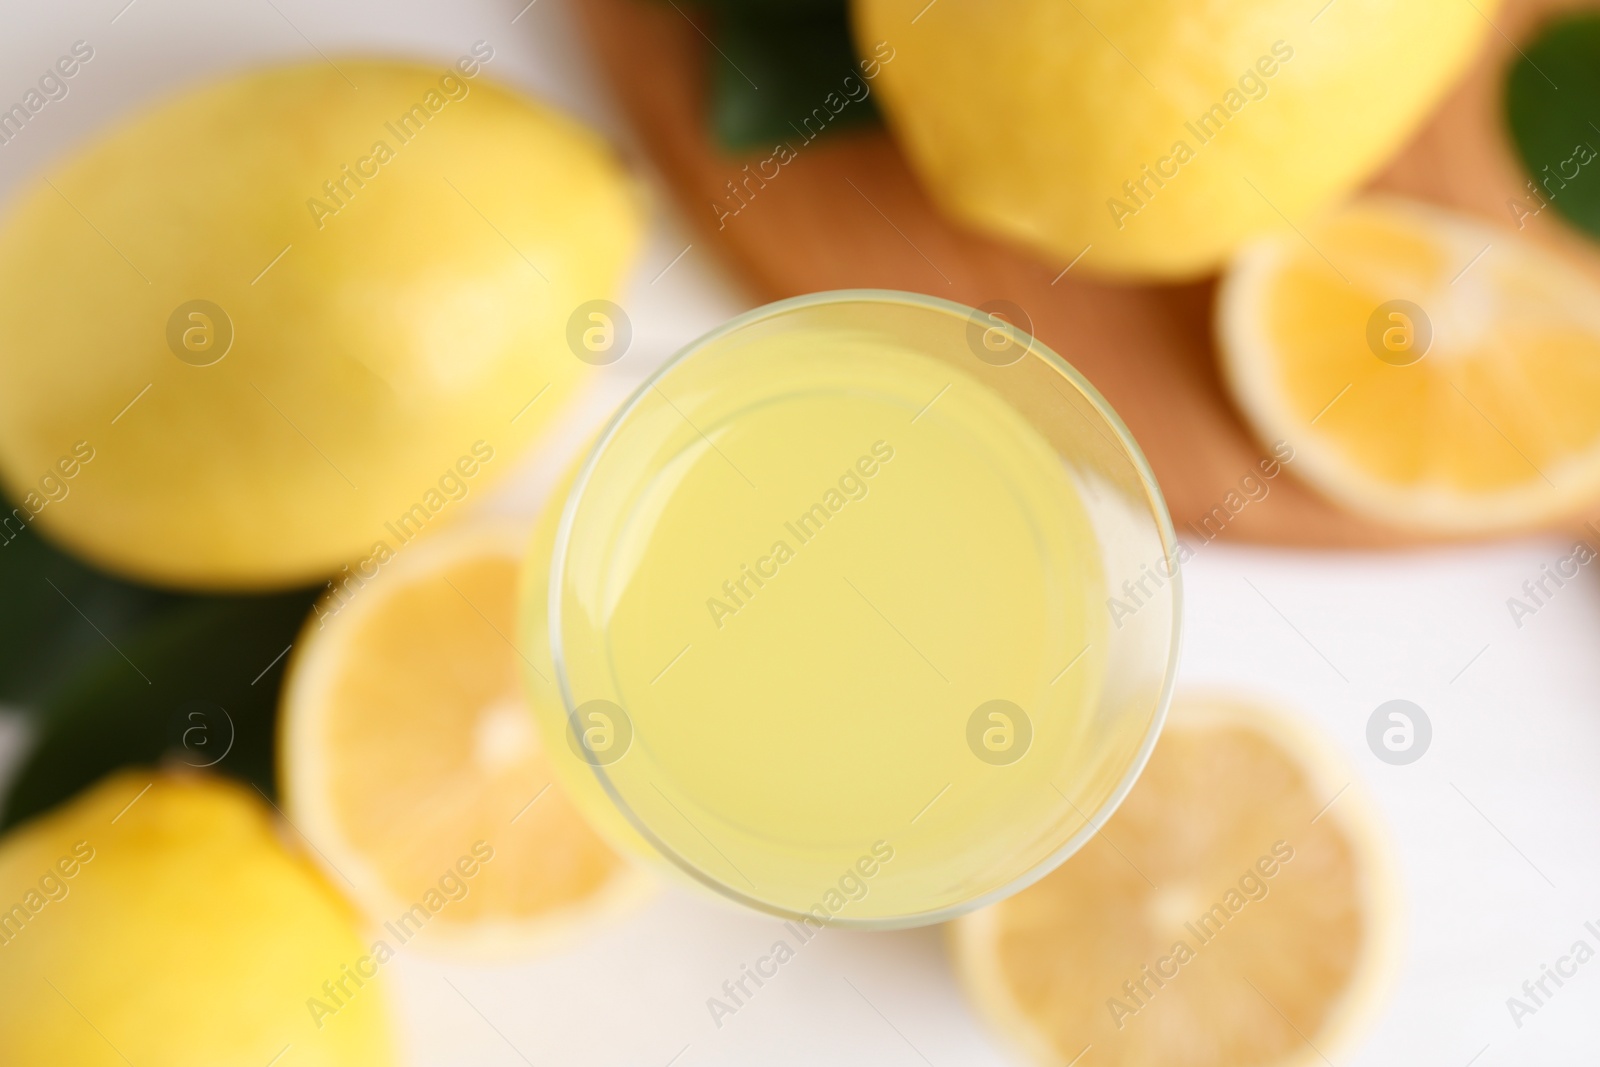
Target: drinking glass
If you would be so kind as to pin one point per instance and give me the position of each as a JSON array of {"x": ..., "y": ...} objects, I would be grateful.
[{"x": 863, "y": 611}]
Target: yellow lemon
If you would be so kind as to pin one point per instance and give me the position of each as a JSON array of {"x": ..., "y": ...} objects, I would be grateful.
[
  {"x": 1153, "y": 136},
  {"x": 1236, "y": 909},
  {"x": 413, "y": 763},
  {"x": 1429, "y": 370},
  {"x": 158, "y": 919},
  {"x": 271, "y": 323}
]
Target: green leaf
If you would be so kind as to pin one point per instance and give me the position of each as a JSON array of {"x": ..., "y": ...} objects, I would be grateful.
[
  {"x": 1553, "y": 107},
  {"x": 786, "y": 73},
  {"x": 58, "y": 614},
  {"x": 196, "y": 686}
]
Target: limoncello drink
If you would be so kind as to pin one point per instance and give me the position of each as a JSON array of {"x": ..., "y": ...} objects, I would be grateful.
[{"x": 830, "y": 626}]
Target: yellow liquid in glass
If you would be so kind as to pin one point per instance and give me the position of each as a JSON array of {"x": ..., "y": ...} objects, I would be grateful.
[{"x": 806, "y": 579}]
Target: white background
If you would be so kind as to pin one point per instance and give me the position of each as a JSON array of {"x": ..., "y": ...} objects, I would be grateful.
[{"x": 1495, "y": 828}]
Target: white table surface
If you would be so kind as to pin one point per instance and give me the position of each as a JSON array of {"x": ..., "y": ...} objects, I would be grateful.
[{"x": 1495, "y": 885}]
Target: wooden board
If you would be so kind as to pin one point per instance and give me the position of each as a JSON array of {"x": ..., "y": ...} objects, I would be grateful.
[{"x": 848, "y": 213}]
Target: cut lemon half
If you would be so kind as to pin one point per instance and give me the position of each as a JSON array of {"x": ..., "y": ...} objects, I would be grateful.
[
  {"x": 1235, "y": 910},
  {"x": 1428, "y": 370},
  {"x": 412, "y": 763}
]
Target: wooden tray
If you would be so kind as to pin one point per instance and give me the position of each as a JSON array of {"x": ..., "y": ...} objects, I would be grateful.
[{"x": 848, "y": 213}]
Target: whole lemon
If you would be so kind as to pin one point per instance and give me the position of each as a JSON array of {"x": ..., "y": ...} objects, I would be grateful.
[
  {"x": 285, "y": 319},
  {"x": 1151, "y": 137},
  {"x": 158, "y": 920}
]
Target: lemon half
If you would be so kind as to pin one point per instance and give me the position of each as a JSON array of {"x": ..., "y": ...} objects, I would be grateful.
[
  {"x": 1429, "y": 370},
  {"x": 1236, "y": 909},
  {"x": 413, "y": 763}
]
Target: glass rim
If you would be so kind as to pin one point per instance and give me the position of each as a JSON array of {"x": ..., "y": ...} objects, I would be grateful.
[{"x": 1154, "y": 502}]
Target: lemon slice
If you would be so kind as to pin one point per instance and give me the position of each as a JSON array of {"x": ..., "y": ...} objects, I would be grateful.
[
  {"x": 1427, "y": 369},
  {"x": 1235, "y": 910},
  {"x": 413, "y": 765}
]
